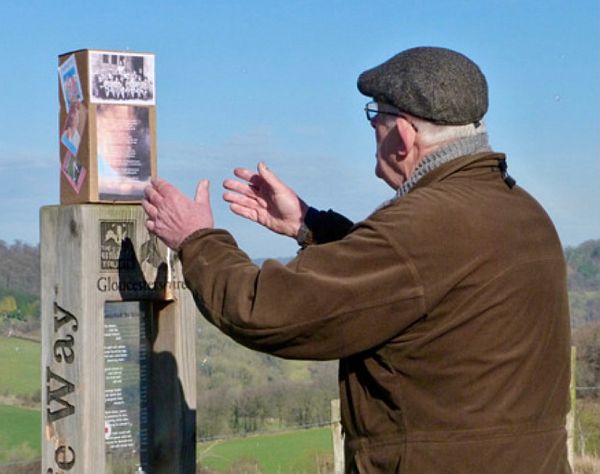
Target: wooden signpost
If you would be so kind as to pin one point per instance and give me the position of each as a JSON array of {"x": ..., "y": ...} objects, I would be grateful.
[{"x": 118, "y": 324}]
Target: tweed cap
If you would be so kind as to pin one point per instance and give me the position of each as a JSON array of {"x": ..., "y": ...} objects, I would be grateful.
[{"x": 435, "y": 84}]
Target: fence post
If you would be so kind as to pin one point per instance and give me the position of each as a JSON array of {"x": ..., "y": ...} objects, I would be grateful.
[
  {"x": 338, "y": 437},
  {"x": 571, "y": 415}
]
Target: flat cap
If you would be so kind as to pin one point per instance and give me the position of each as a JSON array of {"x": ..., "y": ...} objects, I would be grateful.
[{"x": 435, "y": 84}]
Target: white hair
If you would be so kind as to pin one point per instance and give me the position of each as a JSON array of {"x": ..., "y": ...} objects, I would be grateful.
[{"x": 431, "y": 134}]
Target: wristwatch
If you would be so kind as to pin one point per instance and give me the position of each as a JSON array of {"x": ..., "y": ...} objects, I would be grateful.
[{"x": 305, "y": 235}]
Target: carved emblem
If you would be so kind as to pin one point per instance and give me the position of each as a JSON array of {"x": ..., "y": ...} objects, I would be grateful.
[{"x": 114, "y": 255}]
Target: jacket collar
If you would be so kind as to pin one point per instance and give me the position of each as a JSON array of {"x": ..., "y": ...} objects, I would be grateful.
[
  {"x": 464, "y": 146},
  {"x": 476, "y": 160},
  {"x": 487, "y": 159}
]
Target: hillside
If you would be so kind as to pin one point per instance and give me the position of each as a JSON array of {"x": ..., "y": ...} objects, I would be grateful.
[
  {"x": 583, "y": 269},
  {"x": 20, "y": 284},
  {"x": 20, "y": 269},
  {"x": 242, "y": 391}
]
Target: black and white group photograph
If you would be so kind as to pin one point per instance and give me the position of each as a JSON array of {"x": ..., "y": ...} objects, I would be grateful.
[{"x": 122, "y": 78}]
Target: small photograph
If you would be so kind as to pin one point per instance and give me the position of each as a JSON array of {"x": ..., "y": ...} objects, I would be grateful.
[
  {"x": 122, "y": 78},
  {"x": 70, "y": 83},
  {"x": 73, "y": 127},
  {"x": 74, "y": 171}
]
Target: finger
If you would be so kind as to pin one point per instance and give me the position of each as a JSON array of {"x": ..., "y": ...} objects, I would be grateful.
[
  {"x": 156, "y": 181},
  {"x": 244, "y": 173},
  {"x": 161, "y": 186},
  {"x": 244, "y": 212},
  {"x": 234, "y": 198},
  {"x": 238, "y": 187},
  {"x": 250, "y": 190},
  {"x": 151, "y": 210},
  {"x": 202, "y": 194},
  {"x": 268, "y": 175},
  {"x": 152, "y": 195},
  {"x": 148, "y": 190},
  {"x": 150, "y": 225}
]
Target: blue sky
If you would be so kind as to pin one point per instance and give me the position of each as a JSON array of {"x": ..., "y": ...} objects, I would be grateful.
[{"x": 241, "y": 81}]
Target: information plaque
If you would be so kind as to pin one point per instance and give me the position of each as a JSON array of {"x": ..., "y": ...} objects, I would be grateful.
[{"x": 126, "y": 386}]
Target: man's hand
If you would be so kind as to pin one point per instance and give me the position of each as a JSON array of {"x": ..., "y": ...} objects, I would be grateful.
[
  {"x": 172, "y": 216},
  {"x": 265, "y": 199}
]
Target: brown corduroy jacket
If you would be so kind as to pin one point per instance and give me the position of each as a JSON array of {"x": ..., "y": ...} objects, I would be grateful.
[{"x": 447, "y": 309}]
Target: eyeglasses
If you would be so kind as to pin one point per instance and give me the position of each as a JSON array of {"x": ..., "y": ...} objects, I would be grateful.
[{"x": 373, "y": 109}]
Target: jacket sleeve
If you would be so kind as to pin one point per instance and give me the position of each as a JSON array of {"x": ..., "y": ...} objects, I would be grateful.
[
  {"x": 327, "y": 226},
  {"x": 330, "y": 302}
]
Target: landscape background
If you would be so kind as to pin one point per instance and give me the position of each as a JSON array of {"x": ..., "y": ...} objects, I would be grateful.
[
  {"x": 242, "y": 393},
  {"x": 239, "y": 82}
]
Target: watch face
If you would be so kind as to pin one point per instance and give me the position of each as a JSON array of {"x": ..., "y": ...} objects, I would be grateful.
[{"x": 304, "y": 234}]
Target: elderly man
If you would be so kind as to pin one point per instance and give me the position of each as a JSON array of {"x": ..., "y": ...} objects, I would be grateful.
[{"x": 446, "y": 307}]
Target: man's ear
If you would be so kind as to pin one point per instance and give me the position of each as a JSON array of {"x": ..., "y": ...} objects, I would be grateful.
[{"x": 406, "y": 133}]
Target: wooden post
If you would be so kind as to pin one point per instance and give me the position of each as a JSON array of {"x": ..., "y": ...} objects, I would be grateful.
[
  {"x": 118, "y": 346},
  {"x": 338, "y": 437},
  {"x": 571, "y": 415}
]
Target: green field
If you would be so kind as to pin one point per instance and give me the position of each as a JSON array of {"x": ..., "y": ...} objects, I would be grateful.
[
  {"x": 297, "y": 452},
  {"x": 19, "y": 433},
  {"x": 20, "y": 369}
]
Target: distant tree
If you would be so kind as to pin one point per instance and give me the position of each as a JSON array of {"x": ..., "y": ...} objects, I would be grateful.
[
  {"x": 20, "y": 269},
  {"x": 587, "y": 342},
  {"x": 584, "y": 266}
]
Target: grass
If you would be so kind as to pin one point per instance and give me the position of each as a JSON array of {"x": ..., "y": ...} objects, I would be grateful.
[
  {"x": 20, "y": 372},
  {"x": 19, "y": 432},
  {"x": 587, "y": 427},
  {"x": 283, "y": 453}
]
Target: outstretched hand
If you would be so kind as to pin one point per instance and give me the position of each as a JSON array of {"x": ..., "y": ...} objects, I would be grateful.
[
  {"x": 172, "y": 216},
  {"x": 265, "y": 199}
]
